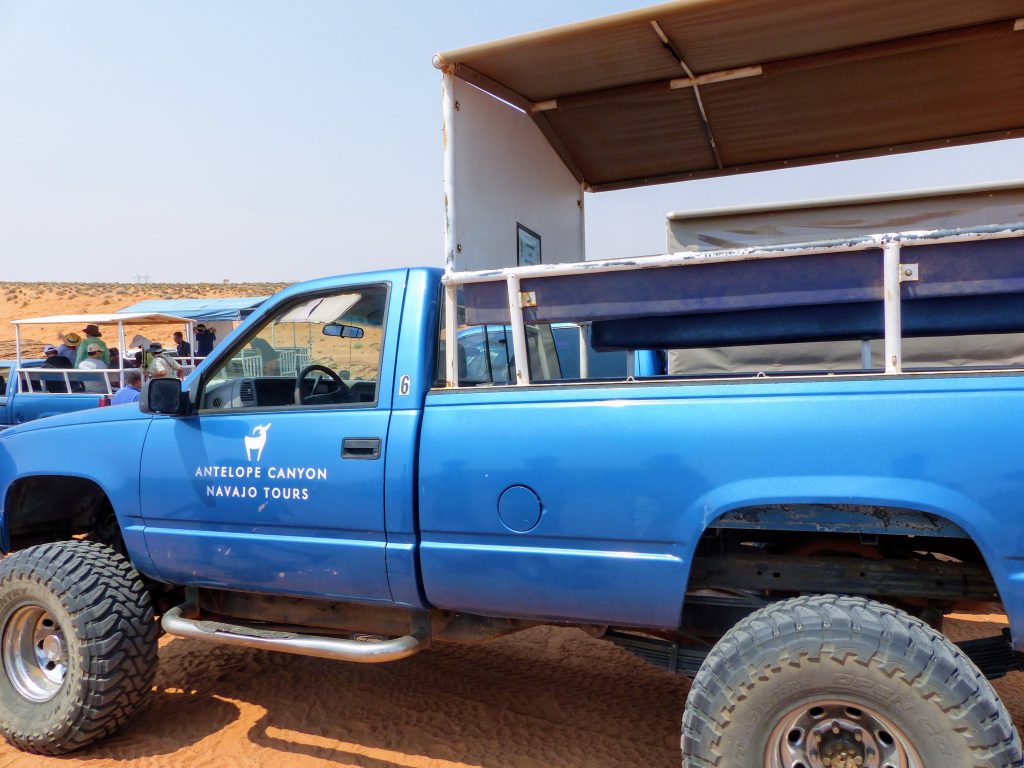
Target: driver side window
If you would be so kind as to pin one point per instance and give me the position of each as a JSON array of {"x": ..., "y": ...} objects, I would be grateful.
[{"x": 317, "y": 352}]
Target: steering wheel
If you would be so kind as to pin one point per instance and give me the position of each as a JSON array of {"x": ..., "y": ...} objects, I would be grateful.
[{"x": 339, "y": 394}]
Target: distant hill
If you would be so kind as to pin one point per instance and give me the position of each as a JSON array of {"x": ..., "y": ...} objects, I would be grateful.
[{"x": 20, "y": 300}]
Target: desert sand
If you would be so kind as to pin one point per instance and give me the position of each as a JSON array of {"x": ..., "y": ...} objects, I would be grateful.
[{"x": 545, "y": 698}]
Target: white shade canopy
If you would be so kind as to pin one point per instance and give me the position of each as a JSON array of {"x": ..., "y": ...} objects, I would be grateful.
[{"x": 112, "y": 318}]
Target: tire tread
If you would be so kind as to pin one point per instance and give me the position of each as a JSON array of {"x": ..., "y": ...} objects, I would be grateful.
[
  {"x": 847, "y": 630},
  {"x": 112, "y": 615}
]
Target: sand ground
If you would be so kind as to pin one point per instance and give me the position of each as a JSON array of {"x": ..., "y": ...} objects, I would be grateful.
[{"x": 545, "y": 698}]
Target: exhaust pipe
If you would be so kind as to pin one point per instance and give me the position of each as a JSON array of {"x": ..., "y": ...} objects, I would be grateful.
[{"x": 183, "y": 621}]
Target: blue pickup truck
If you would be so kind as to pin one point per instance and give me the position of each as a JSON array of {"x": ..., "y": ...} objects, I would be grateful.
[
  {"x": 330, "y": 482},
  {"x": 20, "y": 403}
]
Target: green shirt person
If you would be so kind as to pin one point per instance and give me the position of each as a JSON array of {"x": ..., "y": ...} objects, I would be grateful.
[{"x": 92, "y": 336}]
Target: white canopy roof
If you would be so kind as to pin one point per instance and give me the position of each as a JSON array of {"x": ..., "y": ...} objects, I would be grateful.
[{"x": 112, "y": 318}]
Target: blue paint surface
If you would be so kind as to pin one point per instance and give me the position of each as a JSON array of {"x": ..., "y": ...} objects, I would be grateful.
[{"x": 629, "y": 476}]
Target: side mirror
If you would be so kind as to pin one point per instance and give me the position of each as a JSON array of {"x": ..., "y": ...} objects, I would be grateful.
[
  {"x": 164, "y": 396},
  {"x": 343, "y": 331}
]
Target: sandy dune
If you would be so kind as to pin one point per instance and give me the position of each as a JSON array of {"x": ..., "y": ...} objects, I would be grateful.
[
  {"x": 23, "y": 300},
  {"x": 547, "y": 697}
]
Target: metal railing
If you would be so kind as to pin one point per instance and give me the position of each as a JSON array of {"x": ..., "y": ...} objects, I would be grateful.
[
  {"x": 889, "y": 246},
  {"x": 73, "y": 381},
  {"x": 37, "y": 380}
]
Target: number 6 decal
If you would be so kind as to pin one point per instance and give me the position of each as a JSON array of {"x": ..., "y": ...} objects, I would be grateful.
[{"x": 403, "y": 385}]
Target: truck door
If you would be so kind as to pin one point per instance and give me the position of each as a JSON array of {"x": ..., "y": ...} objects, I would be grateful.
[{"x": 277, "y": 483}]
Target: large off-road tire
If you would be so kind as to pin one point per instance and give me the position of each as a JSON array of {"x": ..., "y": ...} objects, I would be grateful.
[
  {"x": 843, "y": 682},
  {"x": 78, "y": 644}
]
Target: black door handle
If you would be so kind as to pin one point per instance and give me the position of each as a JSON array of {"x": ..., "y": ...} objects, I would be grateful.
[{"x": 360, "y": 448}]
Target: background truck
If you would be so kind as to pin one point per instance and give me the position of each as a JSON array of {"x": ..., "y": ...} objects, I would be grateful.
[{"x": 28, "y": 391}]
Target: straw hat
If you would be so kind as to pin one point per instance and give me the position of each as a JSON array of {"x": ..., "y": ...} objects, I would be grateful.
[{"x": 72, "y": 339}]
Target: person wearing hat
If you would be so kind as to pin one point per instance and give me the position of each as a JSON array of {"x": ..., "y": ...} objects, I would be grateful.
[
  {"x": 92, "y": 336},
  {"x": 53, "y": 382},
  {"x": 69, "y": 347},
  {"x": 54, "y": 359},
  {"x": 93, "y": 362},
  {"x": 204, "y": 340},
  {"x": 142, "y": 358},
  {"x": 163, "y": 362}
]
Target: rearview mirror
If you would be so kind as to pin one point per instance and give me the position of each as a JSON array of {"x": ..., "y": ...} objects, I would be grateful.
[
  {"x": 343, "y": 331},
  {"x": 164, "y": 396}
]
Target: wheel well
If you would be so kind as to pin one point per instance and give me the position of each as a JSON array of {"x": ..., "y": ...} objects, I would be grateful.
[
  {"x": 45, "y": 508},
  {"x": 916, "y": 561}
]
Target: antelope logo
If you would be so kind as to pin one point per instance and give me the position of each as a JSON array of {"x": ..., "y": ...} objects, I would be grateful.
[{"x": 256, "y": 441}]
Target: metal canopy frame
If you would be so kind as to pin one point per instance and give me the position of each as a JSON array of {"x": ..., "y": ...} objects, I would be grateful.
[
  {"x": 704, "y": 88},
  {"x": 144, "y": 318}
]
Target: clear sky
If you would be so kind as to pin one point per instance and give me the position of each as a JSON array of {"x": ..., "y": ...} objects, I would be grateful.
[{"x": 199, "y": 140}]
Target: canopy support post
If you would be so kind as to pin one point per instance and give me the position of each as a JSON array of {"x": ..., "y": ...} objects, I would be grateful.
[
  {"x": 893, "y": 318},
  {"x": 122, "y": 349},
  {"x": 515, "y": 311},
  {"x": 584, "y": 357},
  {"x": 17, "y": 358},
  {"x": 451, "y": 349}
]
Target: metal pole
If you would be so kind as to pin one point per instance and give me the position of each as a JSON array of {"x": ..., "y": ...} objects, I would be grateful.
[
  {"x": 893, "y": 322},
  {"x": 122, "y": 350},
  {"x": 451, "y": 349},
  {"x": 17, "y": 357},
  {"x": 584, "y": 357},
  {"x": 518, "y": 331},
  {"x": 583, "y": 222},
  {"x": 865, "y": 354}
]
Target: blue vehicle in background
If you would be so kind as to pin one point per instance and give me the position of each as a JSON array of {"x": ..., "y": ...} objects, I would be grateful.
[
  {"x": 24, "y": 396},
  {"x": 28, "y": 391},
  {"x": 336, "y": 481},
  {"x": 487, "y": 355}
]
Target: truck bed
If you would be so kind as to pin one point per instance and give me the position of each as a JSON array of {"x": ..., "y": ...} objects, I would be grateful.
[{"x": 627, "y": 478}]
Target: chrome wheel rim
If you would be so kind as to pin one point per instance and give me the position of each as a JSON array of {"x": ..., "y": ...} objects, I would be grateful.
[
  {"x": 34, "y": 652},
  {"x": 838, "y": 734}
]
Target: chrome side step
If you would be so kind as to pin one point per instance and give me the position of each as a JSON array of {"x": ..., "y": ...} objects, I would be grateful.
[{"x": 182, "y": 621}]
